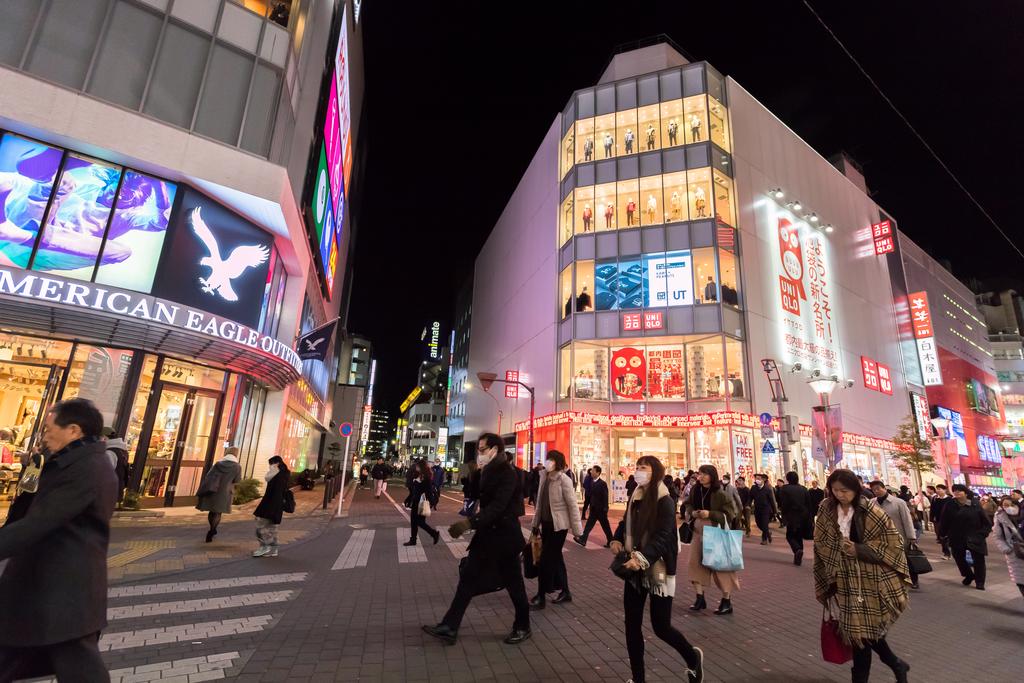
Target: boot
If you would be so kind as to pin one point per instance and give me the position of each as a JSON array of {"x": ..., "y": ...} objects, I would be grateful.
[
  {"x": 442, "y": 632},
  {"x": 699, "y": 603},
  {"x": 724, "y": 607},
  {"x": 437, "y": 535},
  {"x": 798, "y": 557},
  {"x": 564, "y": 596},
  {"x": 538, "y": 601},
  {"x": 901, "y": 669},
  {"x": 409, "y": 542}
]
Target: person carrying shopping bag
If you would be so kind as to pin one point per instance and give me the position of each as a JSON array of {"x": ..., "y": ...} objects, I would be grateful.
[
  {"x": 555, "y": 516},
  {"x": 421, "y": 492},
  {"x": 708, "y": 505}
]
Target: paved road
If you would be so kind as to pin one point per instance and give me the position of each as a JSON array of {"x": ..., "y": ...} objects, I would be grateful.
[{"x": 347, "y": 605}]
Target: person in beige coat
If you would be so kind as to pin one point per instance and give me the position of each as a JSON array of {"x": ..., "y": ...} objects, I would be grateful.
[{"x": 556, "y": 515}]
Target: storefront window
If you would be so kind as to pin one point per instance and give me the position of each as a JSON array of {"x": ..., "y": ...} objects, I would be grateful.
[
  {"x": 706, "y": 279},
  {"x": 565, "y": 221},
  {"x": 604, "y": 198},
  {"x": 584, "y": 286},
  {"x": 724, "y": 207},
  {"x": 666, "y": 374},
  {"x": 585, "y": 210},
  {"x": 648, "y": 124},
  {"x": 672, "y": 123},
  {"x": 138, "y": 415},
  {"x": 650, "y": 191},
  {"x": 719, "y": 124},
  {"x": 299, "y": 442},
  {"x": 743, "y": 456},
  {"x": 628, "y": 205},
  {"x": 590, "y": 372},
  {"x": 180, "y": 372},
  {"x": 585, "y": 141},
  {"x": 564, "y": 371},
  {"x": 568, "y": 155},
  {"x": 699, "y": 185},
  {"x": 734, "y": 365},
  {"x": 604, "y": 134},
  {"x": 567, "y": 298},
  {"x": 99, "y": 374},
  {"x": 675, "y": 196},
  {"x": 705, "y": 370},
  {"x": 730, "y": 279},
  {"x": 711, "y": 447},
  {"x": 696, "y": 119},
  {"x": 590, "y": 447},
  {"x": 626, "y": 132}
]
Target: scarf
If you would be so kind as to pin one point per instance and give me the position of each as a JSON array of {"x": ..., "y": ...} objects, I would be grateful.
[
  {"x": 870, "y": 597},
  {"x": 271, "y": 473},
  {"x": 654, "y": 578}
]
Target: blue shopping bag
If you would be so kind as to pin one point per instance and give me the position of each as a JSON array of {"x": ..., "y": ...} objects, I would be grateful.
[{"x": 722, "y": 549}]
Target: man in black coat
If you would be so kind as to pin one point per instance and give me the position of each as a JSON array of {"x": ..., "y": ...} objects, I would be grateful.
[
  {"x": 939, "y": 503},
  {"x": 744, "y": 516},
  {"x": 493, "y": 558},
  {"x": 763, "y": 497},
  {"x": 55, "y": 585},
  {"x": 598, "y": 507},
  {"x": 380, "y": 474},
  {"x": 794, "y": 503}
]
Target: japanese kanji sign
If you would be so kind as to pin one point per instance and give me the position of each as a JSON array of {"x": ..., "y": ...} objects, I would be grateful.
[
  {"x": 924, "y": 333},
  {"x": 881, "y": 233}
]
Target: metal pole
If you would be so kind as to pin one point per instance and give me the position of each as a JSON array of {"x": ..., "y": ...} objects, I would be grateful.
[
  {"x": 530, "y": 460},
  {"x": 344, "y": 466},
  {"x": 783, "y": 436}
]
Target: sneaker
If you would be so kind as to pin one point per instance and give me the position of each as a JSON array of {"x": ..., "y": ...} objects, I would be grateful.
[
  {"x": 445, "y": 634},
  {"x": 408, "y": 543},
  {"x": 263, "y": 550},
  {"x": 696, "y": 674},
  {"x": 273, "y": 552}
]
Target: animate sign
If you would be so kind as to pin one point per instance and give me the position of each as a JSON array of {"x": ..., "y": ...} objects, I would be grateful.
[
  {"x": 435, "y": 336},
  {"x": 22, "y": 284},
  {"x": 927, "y": 351}
]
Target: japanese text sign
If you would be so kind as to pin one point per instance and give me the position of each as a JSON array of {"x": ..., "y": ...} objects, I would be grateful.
[{"x": 882, "y": 235}]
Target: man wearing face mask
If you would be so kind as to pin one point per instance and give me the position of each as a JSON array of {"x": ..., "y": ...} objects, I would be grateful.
[
  {"x": 765, "y": 508},
  {"x": 494, "y": 551}
]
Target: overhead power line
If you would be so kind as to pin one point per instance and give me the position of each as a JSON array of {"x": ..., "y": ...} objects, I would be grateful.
[{"x": 913, "y": 130}]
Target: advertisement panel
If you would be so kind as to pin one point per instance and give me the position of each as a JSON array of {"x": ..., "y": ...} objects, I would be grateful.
[
  {"x": 332, "y": 145},
  {"x": 919, "y": 404},
  {"x": 743, "y": 453},
  {"x": 668, "y": 279},
  {"x": 666, "y": 373},
  {"x": 982, "y": 398},
  {"x": 955, "y": 430},
  {"x": 321, "y": 196},
  {"x": 27, "y": 173},
  {"x": 618, "y": 284},
  {"x": 344, "y": 111},
  {"x": 629, "y": 371},
  {"x": 927, "y": 352}
]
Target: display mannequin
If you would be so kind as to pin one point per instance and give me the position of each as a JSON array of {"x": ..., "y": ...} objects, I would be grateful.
[
  {"x": 609, "y": 142},
  {"x": 629, "y": 140},
  {"x": 609, "y": 213},
  {"x": 673, "y": 130},
  {"x": 652, "y": 208},
  {"x": 675, "y": 205},
  {"x": 695, "y": 124},
  {"x": 710, "y": 290},
  {"x": 583, "y": 301},
  {"x": 570, "y": 151},
  {"x": 650, "y": 136},
  {"x": 588, "y": 215},
  {"x": 588, "y": 149},
  {"x": 699, "y": 203},
  {"x": 630, "y": 209}
]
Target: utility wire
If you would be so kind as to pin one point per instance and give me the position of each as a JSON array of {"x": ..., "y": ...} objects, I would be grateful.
[{"x": 913, "y": 130}]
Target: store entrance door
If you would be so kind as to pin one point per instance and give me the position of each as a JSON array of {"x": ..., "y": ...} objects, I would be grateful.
[{"x": 179, "y": 444}]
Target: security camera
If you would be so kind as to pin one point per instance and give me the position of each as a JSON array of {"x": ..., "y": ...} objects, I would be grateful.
[
  {"x": 849, "y": 383},
  {"x": 797, "y": 367},
  {"x": 815, "y": 374}
]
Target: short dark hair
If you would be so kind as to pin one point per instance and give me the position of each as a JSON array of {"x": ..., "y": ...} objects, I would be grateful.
[
  {"x": 81, "y": 412},
  {"x": 559, "y": 458},
  {"x": 596, "y": 468},
  {"x": 929, "y": 486},
  {"x": 941, "y": 486},
  {"x": 279, "y": 461},
  {"x": 846, "y": 479},
  {"x": 962, "y": 487},
  {"x": 492, "y": 441},
  {"x": 1018, "y": 492},
  {"x": 792, "y": 478},
  {"x": 876, "y": 482}
]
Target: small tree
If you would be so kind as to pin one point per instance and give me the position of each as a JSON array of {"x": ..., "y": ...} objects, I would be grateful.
[{"x": 913, "y": 453}]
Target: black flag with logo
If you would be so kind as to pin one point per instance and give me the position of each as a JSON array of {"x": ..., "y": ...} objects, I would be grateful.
[{"x": 313, "y": 345}]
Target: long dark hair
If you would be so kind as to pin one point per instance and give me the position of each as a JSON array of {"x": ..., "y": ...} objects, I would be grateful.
[
  {"x": 647, "y": 513},
  {"x": 712, "y": 472},
  {"x": 423, "y": 470},
  {"x": 279, "y": 461},
  {"x": 848, "y": 480},
  {"x": 559, "y": 458}
]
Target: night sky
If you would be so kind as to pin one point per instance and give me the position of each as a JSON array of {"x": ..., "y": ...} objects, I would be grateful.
[{"x": 458, "y": 98}]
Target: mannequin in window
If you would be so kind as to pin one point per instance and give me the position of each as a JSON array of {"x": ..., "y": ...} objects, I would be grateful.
[
  {"x": 675, "y": 204},
  {"x": 730, "y": 295},
  {"x": 588, "y": 149},
  {"x": 630, "y": 210},
  {"x": 609, "y": 214},
  {"x": 650, "y": 136},
  {"x": 583, "y": 301},
  {"x": 673, "y": 130},
  {"x": 570, "y": 150},
  {"x": 588, "y": 215},
  {"x": 568, "y": 307},
  {"x": 630, "y": 136},
  {"x": 700, "y": 203},
  {"x": 710, "y": 290},
  {"x": 609, "y": 142},
  {"x": 737, "y": 385},
  {"x": 652, "y": 208},
  {"x": 695, "y": 124}
]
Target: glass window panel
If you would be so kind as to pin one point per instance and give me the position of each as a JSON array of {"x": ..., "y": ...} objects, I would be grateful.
[
  {"x": 66, "y": 40},
  {"x": 584, "y": 286},
  {"x": 565, "y": 221},
  {"x": 604, "y": 198},
  {"x": 606, "y": 171},
  {"x": 734, "y": 364},
  {"x": 653, "y": 205},
  {"x": 648, "y": 90},
  {"x": 585, "y": 140},
  {"x": 648, "y": 122},
  {"x": 699, "y": 190},
  {"x": 668, "y": 279},
  {"x": 585, "y": 175},
  {"x": 99, "y": 374},
  {"x": 227, "y": 83},
  {"x": 625, "y": 95},
  {"x": 619, "y": 285},
  {"x": 180, "y": 372},
  {"x": 693, "y": 80},
  {"x": 585, "y": 104},
  {"x": 719, "y": 124},
  {"x": 716, "y": 86},
  {"x": 565, "y": 285},
  {"x": 729, "y": 277},
  {"x": 695, "y": 113},
  {"x": 77, "y": 219},
  {"x": 585, "y": 211},
  {"x": 125, "y": 55},
  {"x": 590, "y": 372},
  {"x": 178, "y": 73},
  {"x": 705, "y": 275},
  {"x": 139, "y": 404},
  {"x": 627, "y": 168},
  {"x": 666, "y": 373},
  {"x": 671, "y": 85},
  {"x": 19, "y": 17},
  {"x": 724, "y": 206},
  {"x": 27, "y": 170},
  {"x": 565, "y": 160},
  {"x": 671, "y": 116},
  {"x": 259, "y": 117},
  {"x": 675, "y": 194},
  {"x": 628, "y": 374},
  {"x": 628, "y": 202},
  {"x": 564, "y": 371},
  {"x": 705, "y": 370},
  {"x": 721, "y": 161},
  {"x": 568, "y": 116},
  {"x": 626, "y": 131},
  {"x": 606, "y": 100},
  {"x": 604, "y": 131}
]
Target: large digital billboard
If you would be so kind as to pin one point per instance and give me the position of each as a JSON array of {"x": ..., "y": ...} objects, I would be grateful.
[
  {"x": 27, "y": 172},
  {"x": 668, "y": 279},
  {"x": 618, "y": 284},
  {"x": 344, "y": 113}
]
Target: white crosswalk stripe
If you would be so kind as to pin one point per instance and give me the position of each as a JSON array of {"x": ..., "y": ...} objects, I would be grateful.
[
  {"x": 184, "y": 633},
  {"x": 458, "y": 546},
  {"x": 190, "y": 670},
  {"x": 212, "y": 584},
  {"x": 356, "y": 551},
  {"x": 150, "y": 609},
  {"x": 411, "y": 553}
]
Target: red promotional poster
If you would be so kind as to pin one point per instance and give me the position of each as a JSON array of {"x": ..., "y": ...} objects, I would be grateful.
[
  {"x": 629, "y": 370},
  {"x": 791, "y": 284},
  {"x": 665, "y": 374}
]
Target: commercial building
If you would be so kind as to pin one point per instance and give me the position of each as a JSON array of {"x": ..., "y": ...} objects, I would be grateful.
[
  {"x": 1004, "y": 316},
  {"x": 381, "y": 431},
  {"x": 460, "y": 380},
  {"x": 668, "y": 235},
  {"x": 160, "y": 250}
]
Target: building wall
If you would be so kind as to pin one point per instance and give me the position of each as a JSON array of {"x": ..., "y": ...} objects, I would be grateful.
[{"x": 515, "y": 284}]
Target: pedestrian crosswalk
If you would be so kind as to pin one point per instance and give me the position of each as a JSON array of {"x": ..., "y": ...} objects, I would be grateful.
[
  {"x": 408, "y": 554},
  {"x": 356, "y": 551}
]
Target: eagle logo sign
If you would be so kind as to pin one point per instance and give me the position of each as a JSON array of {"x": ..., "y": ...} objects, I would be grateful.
[
  {"x": 311, "y": 345},
  {"x": 223, "y": 271}
]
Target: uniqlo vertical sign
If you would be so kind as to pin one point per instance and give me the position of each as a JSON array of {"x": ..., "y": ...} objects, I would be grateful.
[
  {"x": 653, "y": 321},
  {"x": 884, "y": 379},
  {"x": 881, "y": 233},
  {"x": 631, "y": 322},
  {"x": 511, "y": 390},
  {"x": 869, "y": 369},
  {"x": 924, "y": 333}
]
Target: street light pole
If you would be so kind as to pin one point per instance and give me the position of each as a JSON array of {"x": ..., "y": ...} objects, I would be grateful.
[
  {"x": 941, "y": 424},
  {"x": 489, "y": 378}
]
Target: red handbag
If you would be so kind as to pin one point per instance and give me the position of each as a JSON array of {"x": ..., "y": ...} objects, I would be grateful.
[{"x": 833, "y": 649}]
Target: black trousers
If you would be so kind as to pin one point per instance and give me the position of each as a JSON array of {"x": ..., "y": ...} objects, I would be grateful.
[
  {"x": 511, "y": 572},
  {"x": 795, "y": 536},
  {"x": 661, "y": 622},
  {"x": 944, "y": 542},
  {"x": 763, "y": 520},
  {"x": 977, "y": 572},
  {"x": 586, "y": 504},
  {"x": 862, "y": 658},
  {"x": 213, "y": 519},
  {"x": 596, "y": 517},
  {"x": 552, "y": 564},
  {"x": 73, "y": 661},
  {"x": 417, "y": 522}
]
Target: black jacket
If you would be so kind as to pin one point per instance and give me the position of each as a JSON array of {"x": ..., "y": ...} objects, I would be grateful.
[
  {"x": 744, "y": 495},
  {"x": 598, "y": 497},
  {"x": 380, "y": 471},
  {"x": 272, "y": 505},
  {"x": 763, "y": 498},
  {"x": 935, "y": 513},
  {"x": 420, "y": 488},
  {"x": 55, "y": 586},
  {"x": 661, "y": 543},
  {"x": 794, "y": 503},
  {"x": 966, "y": 526},
  {"x": 815, "y": 496},
  {"x": 501, "y": 505}
]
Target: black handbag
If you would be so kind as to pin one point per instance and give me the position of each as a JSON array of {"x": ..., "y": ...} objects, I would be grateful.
[
  {"x": 917, "y": 561},
  {"x": 618, "y": 566},
  {"x": 482, "y": 582},
  {"x": 531, "y": 570},
  {"x": 686, "y": 533}
]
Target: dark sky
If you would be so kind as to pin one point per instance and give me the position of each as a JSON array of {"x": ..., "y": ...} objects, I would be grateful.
[{"x": 459, "y": 96}]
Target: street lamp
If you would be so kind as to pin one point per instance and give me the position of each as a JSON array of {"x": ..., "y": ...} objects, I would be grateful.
[
  {"x": 823, "y": 386},
  {"x": 489, "y": 378},
  {"x": 941, "y": 424}
]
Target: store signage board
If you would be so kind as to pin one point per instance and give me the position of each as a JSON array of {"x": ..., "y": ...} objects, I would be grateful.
[
  {"x": 877, "y": 376},
  {"x": 881, "y": 233},
  {"x": 927, "y": 351},
  {"x": 410, "y": 399},
  {"x": 634, "y": 322},
  {"x": 919, "y": 404},
  {"x": 511, "y": 391}
]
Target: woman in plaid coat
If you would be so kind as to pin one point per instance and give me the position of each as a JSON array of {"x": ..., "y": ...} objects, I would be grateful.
[{"x": 860, "y": 572}]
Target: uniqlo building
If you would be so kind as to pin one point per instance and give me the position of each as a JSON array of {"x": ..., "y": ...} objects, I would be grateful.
[{"x": 668, "y": 235}]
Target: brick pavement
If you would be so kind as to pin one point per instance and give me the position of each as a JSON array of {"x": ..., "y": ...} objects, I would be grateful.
[{"x": 361, "y": 623}]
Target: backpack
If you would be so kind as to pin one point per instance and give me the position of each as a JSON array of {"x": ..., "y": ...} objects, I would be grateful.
[
  {"x": 121, "y": 466},
  {"x": 289, "y": 501}
]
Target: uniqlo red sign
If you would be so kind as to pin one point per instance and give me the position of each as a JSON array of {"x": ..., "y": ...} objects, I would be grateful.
[
  {"x": 511, "y": 375},
  {"x": 511, "y": 391},
  {"x": 884, "y": 379},
  {"x": 634, "y": 322},
  {"x": 869, "y": 369},
  {"x": 881, "y": 233},
  {"x": 631, "y": 322},
  {"x": 653, "y": 321},
  {"x": 920, "y": 315}
]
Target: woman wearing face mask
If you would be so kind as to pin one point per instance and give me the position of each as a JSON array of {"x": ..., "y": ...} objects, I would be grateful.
[
  {"x": 268, "y": 513},
  {"x": 421, "y": 492},
  {"x": 709, "y": 504},
  {"x": 556, "y": 514},
  {"x": 1007, "y": 523},
  {"x": 648, "y": 533}
]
